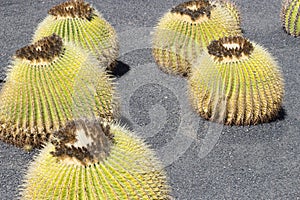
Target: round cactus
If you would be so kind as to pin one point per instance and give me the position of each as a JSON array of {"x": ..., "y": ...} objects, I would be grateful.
[
  {"x": 109, "y": 163},
  {"x": 78, "y": 22},
  {"x": 187, "y": 29},
  {"x": 49, "y": 83},
  {"x": 236, "y": 82},
  {"x": 290, "y": 17}
]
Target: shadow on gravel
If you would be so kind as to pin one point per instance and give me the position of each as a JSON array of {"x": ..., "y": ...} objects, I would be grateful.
[
  {"x": 281, "y": 115},
  {"x": 120, "y": 69},
  {"x": 123, "y": 121}
]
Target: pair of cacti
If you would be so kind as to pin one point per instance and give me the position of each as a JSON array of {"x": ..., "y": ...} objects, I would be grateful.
[
  {"x": 231, "y": 80},
  {"x": 53, "y": 84},
  {"x": 60, "y": 76}
]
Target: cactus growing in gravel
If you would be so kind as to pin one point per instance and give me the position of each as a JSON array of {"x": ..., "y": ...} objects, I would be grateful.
[
  {"x": 290, "y": 17},
  {"x": 78, "y": 22},
  {"x": 236, "y": 82},
  {"x": 109, "y": 163},
  {"x": 187, "y": 29},
  {"x": 49, "y": 83}
]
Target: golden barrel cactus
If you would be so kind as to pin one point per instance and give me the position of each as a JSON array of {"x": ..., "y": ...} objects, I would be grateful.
[
  {"x": 236, "y": 82},
  {"x": 49, "y": 83},
  {"x": 290, "y": 17},
  {"x": 77, "y": 21},
  {"x": 90, "y": 160},
  {"x": 183, "y": 33}
]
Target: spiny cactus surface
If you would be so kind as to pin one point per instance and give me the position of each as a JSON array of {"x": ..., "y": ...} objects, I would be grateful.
[
  {"x": 49, "y": 83},
  {"x": 183, "y": 33},
  {"x": 77, "y": 21},
  {"x": 110, "y": 163},
  {"x": 236, "y": 82},
  {"x": 290, "y": 17},
  {"x": 232, "y": 8}
]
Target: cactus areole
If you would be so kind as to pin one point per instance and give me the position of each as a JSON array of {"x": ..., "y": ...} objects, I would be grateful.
[
  {"x": 231, "y": 49},
  {"x": 69, "y": 148},
  {"x": 194, "y": 9},
  {"x": 73, "y": 9},
  {"x": 44, "y": 50}
]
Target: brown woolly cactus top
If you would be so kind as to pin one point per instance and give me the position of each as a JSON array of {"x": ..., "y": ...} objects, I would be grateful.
[
  {"x": 194, "y": 9},
  {"x": 82, "y": 142},
  {"x": 44, "y": 50},
  {"x": 73, "y": 9},
  {"x": 230, "y": 48}
]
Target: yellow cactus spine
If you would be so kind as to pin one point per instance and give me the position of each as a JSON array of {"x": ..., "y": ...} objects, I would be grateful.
[
  {"x": 49, "y": 84},
  {"x": 233, "y": 9},
  {"x": 290, "y": 17},
  {"x": 77, "y": 21},
  {"x": 237, "y": 80},
  {"x": 88, "y": 160},
  {"x": 187, "y": 29}
]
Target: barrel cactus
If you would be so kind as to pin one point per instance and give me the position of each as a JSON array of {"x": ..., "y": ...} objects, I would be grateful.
[
  {"x": 49, "y": 83},
  {"x": 236, "y": 82},
  {"x": 290, "y": 17},
  {"x": 183, "y": 33},
  {"x": 91, "y": 160},
  {"x": 77, "y": 21}
]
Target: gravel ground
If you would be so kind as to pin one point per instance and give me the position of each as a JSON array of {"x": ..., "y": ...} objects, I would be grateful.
[{"x": 203, "y": 160}]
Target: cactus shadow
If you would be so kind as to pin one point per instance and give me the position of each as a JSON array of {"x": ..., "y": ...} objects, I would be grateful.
[
  {"x": 281, "y": 115},
  {"x": 120, "y": 69},
  {"x": 123, "y": 121}
]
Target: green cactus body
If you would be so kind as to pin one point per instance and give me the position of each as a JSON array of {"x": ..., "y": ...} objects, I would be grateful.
[
  {"x": 76, "y": 21},
  {"x": 182, "y": 33},
  {"x": 128, "y": 170},
  {"x": 233, "y": 9},
  {"x": 237, "y": 83},
  {"x": 290, "y": 17},
  {"x": 48, "y": 83}
]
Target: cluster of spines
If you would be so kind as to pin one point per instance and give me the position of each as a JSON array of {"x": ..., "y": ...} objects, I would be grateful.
[
  {"x": 194, "y": 9},
  {"x": 236, "y": 90},
  {"x": 242, "y": 47},
  {"x": 290, "y": 17},
  {"x": 67, "y": 141},
  {"x": 45, "y": 49},
  {"x": 232, "y": 8},
  {"x": 129, "y": 171},
  {"x": 182, "y": 34},
  {"x": 73, "y": 9}
]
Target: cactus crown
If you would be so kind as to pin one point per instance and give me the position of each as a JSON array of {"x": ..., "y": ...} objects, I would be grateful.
[
  {"x": 233, "y": 48},
  {"x": 194, "y": 9},
  {"x": 44, "y": 50},
  {"x": 73, "y": 9},
  {"x": 82, "y": 142}
]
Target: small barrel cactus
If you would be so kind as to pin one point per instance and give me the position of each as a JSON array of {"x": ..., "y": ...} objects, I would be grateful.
[
  {"x": 49, "y": 83},
  {"x": 290, "y": 17},
  {"x": 236, "y": 82},
  {"x": 187, "y": 29},
  {"x": 90, "y": 160},
  {"x": 76, "y": 21}
]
